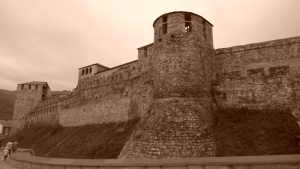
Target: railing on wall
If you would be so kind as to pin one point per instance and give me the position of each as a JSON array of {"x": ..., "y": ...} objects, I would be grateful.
[{"x": 26, "y": 161}]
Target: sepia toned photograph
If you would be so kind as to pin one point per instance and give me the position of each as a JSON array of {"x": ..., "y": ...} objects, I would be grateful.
[{"x": 150, "y": 84}]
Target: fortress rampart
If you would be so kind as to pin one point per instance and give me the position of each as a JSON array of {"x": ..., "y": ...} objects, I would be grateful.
[{"x": 175, "y": 86}]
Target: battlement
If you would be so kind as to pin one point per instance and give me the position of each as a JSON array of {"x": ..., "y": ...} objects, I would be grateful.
[{"x": 260, "y": 45}]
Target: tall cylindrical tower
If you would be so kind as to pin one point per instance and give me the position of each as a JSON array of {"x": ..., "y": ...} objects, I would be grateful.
[
  {"x": 179, "y": 124},
  {"x": 183, "y": 56}
]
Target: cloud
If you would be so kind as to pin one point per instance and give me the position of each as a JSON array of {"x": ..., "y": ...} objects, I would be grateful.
[{"x": 50, "y": 40}]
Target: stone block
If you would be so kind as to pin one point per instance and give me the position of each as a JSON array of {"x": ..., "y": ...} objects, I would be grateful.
[
  {"x": 152, "y": 167},
  {"x": 74, "y": 167},
  {"x": 91, "y": 167},
  {"x": 45, "y": 166},
  {"x": 241, "y": 167},
  {"x": 57, "y": 167},
  {"x": 195, "y": 167},
  {"x": 275, "y": 166},
  {"x": 35, "y": 166},
  {"x": 23, "y": 165},
  {"x": 217, "y": 167},
  {"x": 174, "y": 167}
]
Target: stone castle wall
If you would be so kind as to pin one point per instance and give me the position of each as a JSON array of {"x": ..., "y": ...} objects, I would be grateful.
[
  {"x": 175, "y": 86},
  {"x": 114, "y": 95},
  {"x": 257, "y": 75},
  {"x": 261, "y": 75}
]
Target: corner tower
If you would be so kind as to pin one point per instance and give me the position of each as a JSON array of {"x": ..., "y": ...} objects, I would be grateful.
[
  {"x": 28, "y": 96},
  {"x": 179, "y": 124}
]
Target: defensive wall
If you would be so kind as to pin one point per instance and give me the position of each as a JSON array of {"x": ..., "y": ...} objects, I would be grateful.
[
  {"x": 175, "y": 86},
  {"x": 260, "y": 75},
  {"x": 26, "y": 161},
  {"x": 256, "y": 75}
]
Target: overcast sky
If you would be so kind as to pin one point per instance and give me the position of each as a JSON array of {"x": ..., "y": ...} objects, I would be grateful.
[{"x": 48, "y": 40}]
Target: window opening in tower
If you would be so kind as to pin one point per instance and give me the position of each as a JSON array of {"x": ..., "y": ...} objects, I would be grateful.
[
  {"x": 165, "y": 24},
  {"x": 188, "y": 23},
  {"x": 145, "y": 51},
  {"x": 204, "y": 28}
]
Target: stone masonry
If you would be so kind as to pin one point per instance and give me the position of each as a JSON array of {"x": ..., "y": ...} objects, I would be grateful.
[{"x": 175, "y": 87}]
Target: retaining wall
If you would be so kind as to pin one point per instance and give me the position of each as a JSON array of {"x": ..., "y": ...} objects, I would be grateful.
[{"x": 26, "y": 161}]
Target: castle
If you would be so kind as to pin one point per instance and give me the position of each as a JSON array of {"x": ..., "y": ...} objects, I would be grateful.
[{"x": 175, "y": 87}]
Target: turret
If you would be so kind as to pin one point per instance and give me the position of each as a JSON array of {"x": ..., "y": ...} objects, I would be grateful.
[
  {"x": 28, "y": 96},
  {"x": 183, "y": 58}
]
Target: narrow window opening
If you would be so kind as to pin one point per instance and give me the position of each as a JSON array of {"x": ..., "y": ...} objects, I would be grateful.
[
  {"x": 82, "y": 72},
  {"x": 36, "y": 87},
  {"x": 188, "y": 27},
  {"x": 204, "y": 29},
  {"x": 29, "y": 86},
  {"x": 165, "y": 24},
  {"x": 188, "y": 23},
  {"x": 165, "y": 18},
  {"x": 187, "y": 17},
  {"x": 145, "y": 51},
  {"x": 90, "y": 70},
  {"x": 22, "y": 86},
  {"x": 159, "y": 40},
  {"x": 86, "y": 71}
]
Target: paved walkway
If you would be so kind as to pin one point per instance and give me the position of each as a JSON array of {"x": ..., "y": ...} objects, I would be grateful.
[{"x": 4, "y": 164}]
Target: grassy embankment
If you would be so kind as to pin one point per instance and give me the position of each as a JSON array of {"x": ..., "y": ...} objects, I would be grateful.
[
  {"x": 242, "y": 132},
  {"x": 103, "y": 141},
  {"x": 239, "y": 132}
]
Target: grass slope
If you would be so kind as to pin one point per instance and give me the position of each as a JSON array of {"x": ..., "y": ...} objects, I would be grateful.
[
  {"x": 241, "y": 132},
  {"x": 7, "y": 100},
  {"x": 103, "y": 141},
  {"x": 238, "y": 132}
]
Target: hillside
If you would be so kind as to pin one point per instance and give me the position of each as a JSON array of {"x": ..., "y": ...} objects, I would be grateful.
[
  {"x": 238, "y": 132},
  {"x": 7, "y": 100},
  {"x": 242, "y": 132},
  {"x": 91, "y": 141}
]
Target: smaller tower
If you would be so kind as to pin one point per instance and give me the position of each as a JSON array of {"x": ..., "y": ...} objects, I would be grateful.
[
  {"x": 89, "y": 71},
  {"x": 28, "y": 96}
]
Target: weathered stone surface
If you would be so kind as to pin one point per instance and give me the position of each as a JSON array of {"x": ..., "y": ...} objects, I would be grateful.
[
  {"x": 174, "y": 86},
  {"x": 180, "y": 118}
]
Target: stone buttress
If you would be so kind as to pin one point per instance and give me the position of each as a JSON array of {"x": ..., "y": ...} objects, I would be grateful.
[{"x": 180, "y": 120}]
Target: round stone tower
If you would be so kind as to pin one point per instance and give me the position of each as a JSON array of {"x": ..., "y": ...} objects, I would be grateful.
[
  {"x": 183, "y": 56},
  {"x": 179, "y": 123}
]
